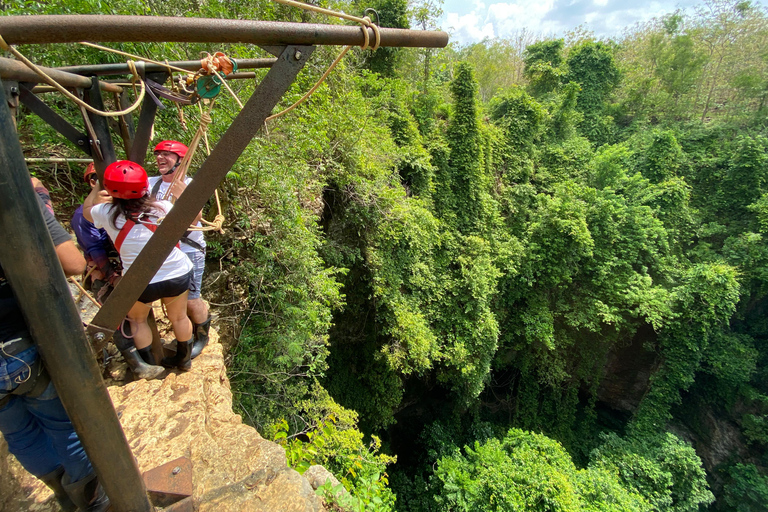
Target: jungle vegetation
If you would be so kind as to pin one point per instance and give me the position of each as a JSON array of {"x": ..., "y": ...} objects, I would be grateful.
[{"x": 525, "y": 274}]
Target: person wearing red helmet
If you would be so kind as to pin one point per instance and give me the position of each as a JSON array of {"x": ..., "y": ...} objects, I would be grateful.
[
  {"x": 168, "y": 155},
  {"x": 130, "y": 215},
  {"x": 100, "y": 254}
]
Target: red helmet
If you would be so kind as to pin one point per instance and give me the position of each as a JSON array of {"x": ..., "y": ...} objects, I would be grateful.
[
  {"x": 126, "y": 180},
  {"x": 88, "y": 171},
  {"x": 172, "y": 146}
]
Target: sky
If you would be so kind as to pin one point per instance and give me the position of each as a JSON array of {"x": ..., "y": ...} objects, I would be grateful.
[{"x": 471, "y": 21}]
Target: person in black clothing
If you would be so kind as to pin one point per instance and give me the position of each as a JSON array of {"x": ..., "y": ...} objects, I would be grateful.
[{"x": 32, "y": 419}]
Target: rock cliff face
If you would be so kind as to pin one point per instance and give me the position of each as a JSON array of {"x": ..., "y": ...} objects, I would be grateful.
[{"x": 188, "y": 414}]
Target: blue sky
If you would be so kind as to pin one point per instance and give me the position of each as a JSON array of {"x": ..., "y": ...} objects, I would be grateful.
[{"x": 470, "y": 21}]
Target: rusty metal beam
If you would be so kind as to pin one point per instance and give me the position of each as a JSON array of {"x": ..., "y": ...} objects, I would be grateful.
[
  {"x": 72, "y": 28},
  {"x": 231, "y": 145},
  {"x": 11, "y": 69},
  {"x": 29, "y": 261},
  {"x": 100, "y": 128},
  {"x": 146, "y": 121},
  {"x": 121, "y": 68},
  {"x": 58, "y": 123}
]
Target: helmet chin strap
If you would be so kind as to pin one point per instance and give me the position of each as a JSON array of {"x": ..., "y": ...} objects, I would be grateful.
[{"x": 172, "y": 169}]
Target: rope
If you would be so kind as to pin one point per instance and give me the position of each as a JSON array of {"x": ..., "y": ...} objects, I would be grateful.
[
  {"x": 82, "y": 290},
  {"x": 66, "y": 93},
  {"x": 137, "y": 57},
  {"x": 365, "y": 23},
  {"x": 314, "y": 87},
  {"x": 181, "y": 171}
]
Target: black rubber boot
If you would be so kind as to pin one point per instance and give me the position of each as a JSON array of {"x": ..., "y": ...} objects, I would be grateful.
[
  {"x": 200, "y": 336},
  {"x": 135, "y": 362},
  {"x": 53, "y": 481},
  {"x": 87, "y": 494},
  {"x": 183, "y": 358},
  {"x": 147, "y": 355}
]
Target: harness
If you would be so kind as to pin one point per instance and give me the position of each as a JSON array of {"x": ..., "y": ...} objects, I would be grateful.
[
  {"x": 128, "y": 226},
  {"x": 185, "y": 239}
]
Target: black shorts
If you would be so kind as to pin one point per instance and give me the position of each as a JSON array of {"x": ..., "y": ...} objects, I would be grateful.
[{"x": 168, "y": 288}]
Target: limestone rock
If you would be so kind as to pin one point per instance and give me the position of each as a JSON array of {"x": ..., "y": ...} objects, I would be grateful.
[
  {"x": 317, "y": 476},
  {"x": 188, "y": 414}
]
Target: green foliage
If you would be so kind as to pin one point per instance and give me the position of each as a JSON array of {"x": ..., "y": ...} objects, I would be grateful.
[
  {"x": 543, "y": 67},
  {"x": 748, "y": 489},
  {"x": 480, "y": 233},
  {"x": 330, "y": 438},
  {"x": 663, "y": 470},
  {"x": 592, "y": 66},
  {"x": 527, "y": 472}
]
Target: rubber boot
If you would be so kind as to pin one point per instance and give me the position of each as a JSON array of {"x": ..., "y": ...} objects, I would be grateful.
[
  {"x": 53, "y": 481},
  {"x": 183, "y": 358},
  {"x": 200, "y": 335},
  {"x": 140, "y": 369},
  {"x": 87, "y": 494},
  {"x": 147, "y": 355}
]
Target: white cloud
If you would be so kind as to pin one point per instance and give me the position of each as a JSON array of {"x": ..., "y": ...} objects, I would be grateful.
[
  {"x": 499, "y": 20},
  {"x": 470, "y": 21},
  {"x": 468, "y": 28}
]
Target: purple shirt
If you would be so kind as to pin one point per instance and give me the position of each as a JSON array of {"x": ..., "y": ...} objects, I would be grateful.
[{"x": 95, "y": 242}]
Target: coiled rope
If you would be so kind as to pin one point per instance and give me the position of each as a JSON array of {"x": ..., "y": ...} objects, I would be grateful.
[{"x": 365, "y": 23}]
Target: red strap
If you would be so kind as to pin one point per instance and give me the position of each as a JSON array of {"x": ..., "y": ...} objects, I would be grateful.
[
  {"x": 123, "y": 233},
  {"x": 127, "y": 227}
]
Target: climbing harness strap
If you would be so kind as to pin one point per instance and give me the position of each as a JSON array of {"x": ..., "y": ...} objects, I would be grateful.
[{"x": 127, "y": 227}]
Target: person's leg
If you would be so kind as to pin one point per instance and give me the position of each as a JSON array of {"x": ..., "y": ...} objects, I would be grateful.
[
  {"x": 176, "y": 310},
  {"x": 137, "y": 316},
  {"x": 197, "y": 309},
  {"x": 26, "y": 439},
  {"x": 25, "y": 436},
  {"x": 53, "y": 419}
]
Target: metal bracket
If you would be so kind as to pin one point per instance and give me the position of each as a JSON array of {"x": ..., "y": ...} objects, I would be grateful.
[
  {"x": 12, "y": 94},
  {"x": 58, "y": 123},
  {"x": 170, "y": 483},
  {"x": 273, "y": 49},
  {"x": 98, "y": 336}
]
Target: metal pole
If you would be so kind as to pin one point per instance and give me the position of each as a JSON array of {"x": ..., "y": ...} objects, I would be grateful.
[
  {"x": 58, "y": 160},
  {"x": 15, "y": 70},
  {"x": 190, "y": 65},
  {"x": 231, "y": 145},
  {"x": 144, "y": 127},
  {"x": 30, "y": 264},
  {"x": 101, "y": 129},
  {"x": 71, "y": 28}
]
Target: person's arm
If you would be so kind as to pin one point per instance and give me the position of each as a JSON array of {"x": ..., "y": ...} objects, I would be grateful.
[
  {"x": 97, "y": 196},
  {"x": 177, "y": 189},
  {"x": 72, "y": 261}
]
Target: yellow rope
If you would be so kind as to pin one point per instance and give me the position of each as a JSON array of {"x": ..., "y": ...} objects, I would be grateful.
[
  {"x": 65, "y": 92},
  {"x": 181, "y": 171},
  {"x": 82, "y": 290},
  {"x": 314, "y": 87},
  {"x": 365, "y": 23},
  {"x": 137, "y": 57}
]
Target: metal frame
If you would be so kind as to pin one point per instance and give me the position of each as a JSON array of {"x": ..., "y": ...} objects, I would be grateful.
[{"x": 37, "y": 277}]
